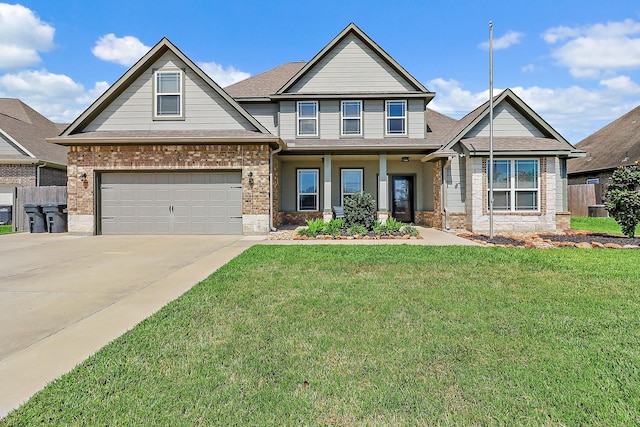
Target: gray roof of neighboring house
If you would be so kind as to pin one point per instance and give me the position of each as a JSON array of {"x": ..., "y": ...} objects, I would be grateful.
[
  {"x": 616, "y": 144},
  {"x": 264, "y": 84},
  {"x": 28, "y": 130}
]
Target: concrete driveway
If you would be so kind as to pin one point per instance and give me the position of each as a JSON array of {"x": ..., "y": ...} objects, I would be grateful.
[{"x": 63, "y": 297}]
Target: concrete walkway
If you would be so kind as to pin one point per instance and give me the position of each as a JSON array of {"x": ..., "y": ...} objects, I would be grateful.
[{"x": 63, "y": 297}]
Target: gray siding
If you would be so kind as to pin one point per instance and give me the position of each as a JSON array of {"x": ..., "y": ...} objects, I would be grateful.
[
  {"x": 351, "y": 66},
  {"x": 287, "y": 119},
  {"x": 8, "y": 148},
  {"x": 288, "y": 183},
  {"x": 265, "y": 113},
  {"x": 373, "y": 119},
  {"x": 329, "y": 119},
  {"x": 203, "y": 107},
  {"x": 455, "y": 185},
  {"x": 416, "y": 118},
  {"x": 507, "y": 121}
]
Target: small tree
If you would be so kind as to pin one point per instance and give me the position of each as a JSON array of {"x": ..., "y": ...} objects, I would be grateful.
[
  {"x": 359, "y": 209},
  {"x": 623, "y": 198}
]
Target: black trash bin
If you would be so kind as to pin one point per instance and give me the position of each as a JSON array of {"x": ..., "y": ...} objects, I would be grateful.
[
  {"x": 5, "y": 214},
  {"x": 37, "y": 220},
  {"x": 56, "y": 217}
]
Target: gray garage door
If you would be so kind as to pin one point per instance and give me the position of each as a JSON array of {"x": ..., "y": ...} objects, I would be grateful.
[{"x": 171, "y": 203}]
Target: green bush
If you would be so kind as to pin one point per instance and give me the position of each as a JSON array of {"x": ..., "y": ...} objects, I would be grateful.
[
  {"x": 314, "y": 227},
  {"x": 393, "y": 225},
  {"x": 411, "y": 231},
  {"x": 360, "y": 209},
  {"x": 333, "y": 227},
  {"x": 356, "y": 230},
  {"x": 623, "y": 198}
]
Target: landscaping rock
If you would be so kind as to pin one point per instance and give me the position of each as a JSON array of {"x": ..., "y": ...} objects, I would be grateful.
[
  {"x": 612, "y": 246},
  {"x": 584, "y": 245}
]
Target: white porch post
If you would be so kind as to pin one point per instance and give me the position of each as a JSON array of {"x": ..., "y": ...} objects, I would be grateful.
[
  {"x": 383, "y": 190},
  {"x": 327, "y": 213}
]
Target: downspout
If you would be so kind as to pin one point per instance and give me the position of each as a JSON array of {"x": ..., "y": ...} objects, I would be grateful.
[
  {"x": 274, "y": 152},
  {"x": 38, "y": 173},
  {"x": 447, "y": 164}
]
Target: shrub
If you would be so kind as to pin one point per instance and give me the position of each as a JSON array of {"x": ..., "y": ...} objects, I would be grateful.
[
  {"x": 360, "y": 209},
  {"x": 623, "y": 198},
  {"x": 333, "y": 227},
  {"x": 314, "y": 227},
  {"x": 380, "y": 229},
  {"x": 356, "y": 230},
  {"x": 393, "y": 225},
  {"x": 411, "y": 231}
]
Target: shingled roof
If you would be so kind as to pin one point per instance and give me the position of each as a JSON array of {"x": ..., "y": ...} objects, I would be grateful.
[
  {"x": 26, "y": 131},
  {"x": 265, "y": 84},
  {"x": 616, "y": 144}
]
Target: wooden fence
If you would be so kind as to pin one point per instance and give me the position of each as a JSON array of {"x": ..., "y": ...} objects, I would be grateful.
[
  {"x": 38, "y": 196},
  {"x": 581, "y": 196}
]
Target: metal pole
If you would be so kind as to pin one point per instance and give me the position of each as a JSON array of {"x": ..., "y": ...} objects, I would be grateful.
[{"x": 490, "y": 130}]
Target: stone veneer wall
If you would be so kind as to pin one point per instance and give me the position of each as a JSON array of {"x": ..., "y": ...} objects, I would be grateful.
[
  {"x": 224, "y": 157},
  {"x": 298, "y": 218},
  {"x": 18, "y": 175}
]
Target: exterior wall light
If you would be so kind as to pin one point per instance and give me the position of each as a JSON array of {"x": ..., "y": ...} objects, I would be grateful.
[{"x": 251, "y": 179}]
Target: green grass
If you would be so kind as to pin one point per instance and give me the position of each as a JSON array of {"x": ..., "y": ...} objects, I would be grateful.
[
  {"x": 375, "y": 335},
  {"x": 598, "y": 225},
  {"x": 6, "y": 229}
]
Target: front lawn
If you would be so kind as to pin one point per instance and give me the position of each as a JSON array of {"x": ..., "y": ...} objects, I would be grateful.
[
  {"x": 375, "y": 335},
  {"x": 597, "y": 225},
  {"x": 6, "y": 229}
]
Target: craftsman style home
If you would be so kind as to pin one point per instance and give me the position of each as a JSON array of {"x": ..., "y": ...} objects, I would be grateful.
[{"x": 167, "y": 150}]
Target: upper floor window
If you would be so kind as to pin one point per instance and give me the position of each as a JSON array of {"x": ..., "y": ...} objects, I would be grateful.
[
  {"x": 396, "y": 113},
  {"x": 308, "y": 118},
  {"x": 516, "y": 185},
  {"x": 351, "y": 117},
  {"x": 168, "y": 96}
]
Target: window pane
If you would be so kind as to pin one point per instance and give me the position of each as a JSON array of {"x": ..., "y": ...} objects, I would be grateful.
[
  {"x": 307, "y": 181},
  {"x": 395, "y": 109},
  {"x": 168, "y": 82},
  {"x": 395, "y": 125},
  {"x": 168, "y": 105},
  {"x": 501, "y": 200},
  {"x": 351, "y": 126},
  {"x": 306, "y": 109},
  {"x": 501, "y": 174},
  {"x": 526, "y": 200},
  {"x": 351, "y": 109},
  {"x": 308, "y": 202},
  {"x": 526, "y": 173},
  {"x": 351, "y": 181},
  {"x": 307, "y": 126}
]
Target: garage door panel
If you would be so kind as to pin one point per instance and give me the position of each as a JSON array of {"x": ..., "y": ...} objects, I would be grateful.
[{"x": 171, "y": 203}]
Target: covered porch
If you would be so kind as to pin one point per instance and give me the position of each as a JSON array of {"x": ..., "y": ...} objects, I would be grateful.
[{"x": 310, "y": 186}]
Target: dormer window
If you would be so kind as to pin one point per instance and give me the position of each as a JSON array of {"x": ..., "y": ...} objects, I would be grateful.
[
  {"x": 168, "y": 94},
  {"x": 396, "y": 113},
  {"x": 307, "y": 118}
]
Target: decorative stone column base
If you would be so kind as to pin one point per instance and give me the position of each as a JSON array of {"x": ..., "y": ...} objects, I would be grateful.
[
  {"x": 255, "y": 224},
  {"x": 563, "y": 220},
  {"x": 80, "y": 224},
  {"x": 383, "y": 217}
]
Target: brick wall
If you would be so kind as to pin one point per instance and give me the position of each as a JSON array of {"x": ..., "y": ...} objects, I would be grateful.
[
  {"x": 18, "y": 175},
  {"x": 246, "y": 158}
]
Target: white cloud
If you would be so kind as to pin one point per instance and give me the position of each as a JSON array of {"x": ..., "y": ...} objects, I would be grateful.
[
  {"x": 22, "y": 36},
  {"x": 121, "y": 50},
  {"x": 504, "y": 42},
  {"x": 573, "y": 111},
  {"x": 223, "y": 76},
  {"x": 55, "y": 96},
  {"x": 528, "y": 68},
  {"x": 589, "y": 51}
]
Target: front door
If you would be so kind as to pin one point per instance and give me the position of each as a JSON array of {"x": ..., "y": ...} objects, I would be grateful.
[{"x": 402, "y": 199}]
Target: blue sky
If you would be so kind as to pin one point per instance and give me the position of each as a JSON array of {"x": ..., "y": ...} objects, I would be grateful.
[{"x": 577, "y": 63}]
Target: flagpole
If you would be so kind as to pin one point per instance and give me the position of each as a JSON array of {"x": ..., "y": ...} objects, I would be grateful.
[{"x": 490, "y": 129}]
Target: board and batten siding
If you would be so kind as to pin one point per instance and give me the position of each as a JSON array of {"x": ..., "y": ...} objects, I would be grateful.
[
  {"x": 507, "y": 121},
  {"x": 455, "y": 185},
  {"x": 204, "y": 109},
  {"x": 351, "y": 66}
]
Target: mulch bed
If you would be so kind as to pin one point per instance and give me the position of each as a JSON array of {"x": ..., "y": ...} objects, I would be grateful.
[{"x": 567, "y": 239}]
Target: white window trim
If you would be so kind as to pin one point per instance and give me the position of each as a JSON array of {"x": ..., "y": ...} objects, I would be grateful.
[
  {"x": 316, "y": 193},
  {"x": 298, "y": 118},
  {"x": 180, "y": 73},
  {"x": 512, "y": 190},
  {"x": 387, "y": 117},
  {"x": 343, "y": 118},
  {"x": 342, "y": 171}
]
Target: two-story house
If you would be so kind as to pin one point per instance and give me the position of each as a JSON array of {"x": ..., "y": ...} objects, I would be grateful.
[{"x": 167, "y": 150}]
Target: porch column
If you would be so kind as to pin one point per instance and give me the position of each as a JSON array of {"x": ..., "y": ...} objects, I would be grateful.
[
  {"x": 383, "y": 189},
  {"x": 327, "y": 214}
]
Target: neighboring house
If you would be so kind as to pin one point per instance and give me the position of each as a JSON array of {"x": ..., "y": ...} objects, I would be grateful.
[
  {"x": 617, "y": 144},
  {"x": 167, "y": 150},
  {"x": 26, "y": 159}
]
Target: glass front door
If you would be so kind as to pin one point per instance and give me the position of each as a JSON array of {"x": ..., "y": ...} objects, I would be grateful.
[{"x": 402, "y": 198}]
